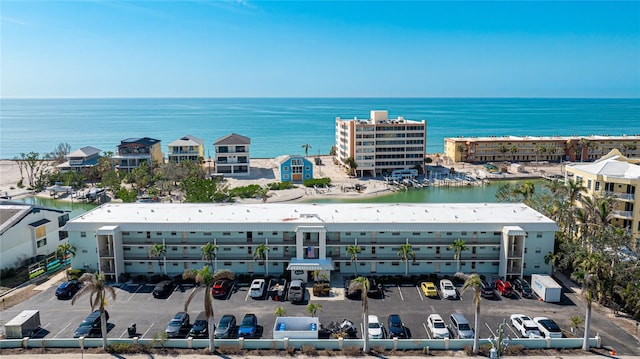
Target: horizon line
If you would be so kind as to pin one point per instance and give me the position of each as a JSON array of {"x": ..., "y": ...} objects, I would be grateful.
[{"x": 317, "y": 97}]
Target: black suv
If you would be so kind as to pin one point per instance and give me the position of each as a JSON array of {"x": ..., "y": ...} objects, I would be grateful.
[
  {"x": 523, "y": 287},
  {"x": 396, "y": 328},
  {"x": 200, "y": 327},
  {"x": 163, "y": 289},
  {"x": 486, "y": 290},
  {"x": 67, "y": 290},
  {"x": 178, "y": 325},
  {"x": 90, "y": 326}
]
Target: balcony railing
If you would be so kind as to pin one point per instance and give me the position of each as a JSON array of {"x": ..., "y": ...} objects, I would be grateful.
[
  {"x": 623, "y": 214},
  {"x": 623, "y": 196}
]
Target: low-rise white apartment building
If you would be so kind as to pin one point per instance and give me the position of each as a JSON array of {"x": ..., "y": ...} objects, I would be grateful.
[
  {"x": 29, "y": 232},
  {"x": 380, "y": 144},
  {"x": 509, "y": 240}
]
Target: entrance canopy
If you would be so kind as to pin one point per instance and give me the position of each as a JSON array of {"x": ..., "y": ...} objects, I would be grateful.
[{"x": 310, "y": 264}]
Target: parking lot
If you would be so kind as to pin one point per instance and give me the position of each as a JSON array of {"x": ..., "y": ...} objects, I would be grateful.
[{"x": 136, "y": 304}]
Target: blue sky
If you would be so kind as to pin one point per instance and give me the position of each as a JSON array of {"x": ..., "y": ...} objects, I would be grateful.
[{"x": 319, "y": 49}]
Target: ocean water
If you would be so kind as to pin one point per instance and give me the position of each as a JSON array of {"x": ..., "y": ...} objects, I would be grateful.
[{"x": 280, "y": 126}]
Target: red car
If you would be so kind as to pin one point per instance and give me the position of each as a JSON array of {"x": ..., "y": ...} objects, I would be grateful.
[
  {"x": 503, "y": 287},
  {"x": 220, "y": 288}
]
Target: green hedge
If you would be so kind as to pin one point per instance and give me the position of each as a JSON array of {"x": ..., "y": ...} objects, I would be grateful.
[{"x": 317, "y": 182}]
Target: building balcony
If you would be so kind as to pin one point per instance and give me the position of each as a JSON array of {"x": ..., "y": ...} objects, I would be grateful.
[
  {"x": 622, "y": 196},
  {"x": 623, "y": 214},
  {"x": 105, "y": 253}
]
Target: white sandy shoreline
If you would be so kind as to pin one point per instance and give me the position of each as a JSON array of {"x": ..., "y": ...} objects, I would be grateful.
[{"x": 265, "y": 170}]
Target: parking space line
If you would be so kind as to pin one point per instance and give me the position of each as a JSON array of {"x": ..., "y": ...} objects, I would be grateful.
[
  {"x": 400, "y": 292},
  {"x": 419, "y": 294},
  {"x": 488, "y": 327},
  {"x": 136, "y": 291},
  {"x": 246, "y": 297},
  {"x": 65, "y": 327},
  {"x": 147, "y": 331},
  {"x": 513, "y": 330},
  {"x": 433, "y": 309},
  {"x": 426, "y": 330}
]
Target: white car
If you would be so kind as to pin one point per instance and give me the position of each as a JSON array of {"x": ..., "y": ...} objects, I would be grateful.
[
  {"x": 527, "y": 327},
  {"x": 548, "y": 327},
  {"x": 448, "y": 290},
  {"x": 375, "y": 328},
  {"x": 257, "y": 288},
  {"x": 437, "y": 327}
]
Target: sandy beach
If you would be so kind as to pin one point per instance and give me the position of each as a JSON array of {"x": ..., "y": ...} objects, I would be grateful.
[{"x": 265, "y": 171}]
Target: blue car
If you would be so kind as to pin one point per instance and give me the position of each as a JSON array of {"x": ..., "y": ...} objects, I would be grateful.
[
  {"x": 68, "y": 289},
  {"x": 248, "y": 327}
]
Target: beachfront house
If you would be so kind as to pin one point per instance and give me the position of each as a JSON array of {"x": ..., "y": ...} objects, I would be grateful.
[
  {"x": 294, "y": 168},
  {"x": 232, "y": 155},
  {"x": 379, "y": 145},
  {"x": 505, "y": 239},
  {"x": 617, "y": 176},
  {"x": 80, "y": 159},
  {"x": 29, "y": 232},
  {"x": 133, "y": 152},
  {"x": 537, "y": 148},
  {"x": 186, "y": 148}
]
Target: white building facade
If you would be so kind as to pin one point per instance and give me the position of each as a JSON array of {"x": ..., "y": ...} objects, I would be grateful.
[
  {"x": 380, "y": 145},
  {"x": 509, "y": 240},
  {"x": 28, "y": 232}
]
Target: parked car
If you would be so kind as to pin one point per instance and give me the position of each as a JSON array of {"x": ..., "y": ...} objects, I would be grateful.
[
  {"x": 525, "y": 326},
  {"x": 523, "y": 287},
  {"x": 460, "y": 326},
  {"x": 248, "y": 326},
  {"x": 67, "y": 290},
  {"x": 486, "y": 290},
  {"x": 375, "y": 289},
  {"x": 200, "y": 327},
  {"x": 548, "y": 327},
  {"x": 296, "y": 291},
  {"x": 352, "y": 294},
  {"x": 220, "y": 288},
  {"x": 375, "y": 328},
  {"x": 503, "y": 287},
  {"x": 225, "y": 326},
  {"x": 257, "y": 288},
  {"x": 179, "y": 324},
  {"x": 437, "y": 327},
  {"x": 396, "y": 327},
  {"x": 429, "y": 289},
  {"x": 90, "y": 326},
  {"x": 163, "y": 289},
  {"x": 448, "y": 290}
]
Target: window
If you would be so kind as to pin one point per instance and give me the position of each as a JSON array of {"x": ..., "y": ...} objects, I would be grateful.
[
  {"x": 63, "y": 235},
  {"x": 42, "y": 242},
  {"x": 597, "y": 185},
  {"x": 286, "y": 168},
  {"x": 589, "y": 184},
  {"x": 173, "y": 233},
  {"x": 226, "y": 233},
  {"x": 62, "y": 220},
  {"x": 83, "y": 234},
  {"x": 539, "y": 235},
  {"x": 538, "y": 249}
]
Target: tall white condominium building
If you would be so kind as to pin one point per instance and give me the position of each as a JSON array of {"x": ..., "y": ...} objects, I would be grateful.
[{"x": 380, "y": 145}]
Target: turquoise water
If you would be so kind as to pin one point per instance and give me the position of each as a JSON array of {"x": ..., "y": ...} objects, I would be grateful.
[
  {"x": 76, "y": 208},
  {"x": 280, "y": 126},
  {"x": 468, "y": 194}
]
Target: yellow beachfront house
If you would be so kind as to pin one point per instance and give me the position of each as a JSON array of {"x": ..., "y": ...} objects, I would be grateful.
[
  {"x": 186, "y": 148},
  {"x": 613, "y": 175},
  {"x": 132, "y": 152},
  {"x": 379, "y": 145},
  {"x": 534, "y": 149}
]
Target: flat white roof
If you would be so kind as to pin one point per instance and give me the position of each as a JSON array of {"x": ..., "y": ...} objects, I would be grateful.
[{"x": 309, "y": 214}]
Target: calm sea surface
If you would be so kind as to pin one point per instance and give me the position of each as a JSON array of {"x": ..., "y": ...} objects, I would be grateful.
[{"x": 280, "y": 126}]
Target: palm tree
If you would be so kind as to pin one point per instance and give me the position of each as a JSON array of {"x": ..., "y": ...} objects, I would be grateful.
[
  {"x": 587, "y": 271},
  {"x": 353, "y": 251},
  {"x": 575, "y": 322},
  {"x": 458, "y": 246},
  {"x": 96, "y": 286},
  {"x": 306, "y": 147},
  {"x": 205, "y": 278},
  {"x": 159, "y": 251},
  {"x": 474, "y": 283},
  {"x": 406, "y": 251},
  {"x": 362, "y": 284},
  {"x": 262, "y": 254},
  {"x": 63, "y": 251},
  {"x": 280, "y": 312},
  {"x": 352, "y": 165},
  {"x": 210, "y": 253},
  {"x": 313, "y": 308}
]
